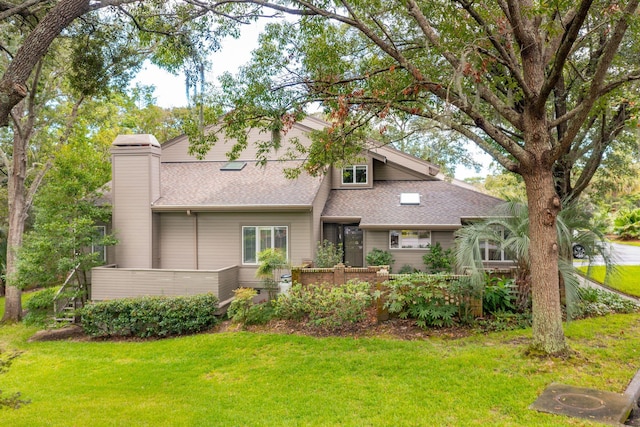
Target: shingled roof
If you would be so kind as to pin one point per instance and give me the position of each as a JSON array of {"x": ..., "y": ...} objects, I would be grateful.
[
  {"x": 442, "y": 205},
  {"x": 204, "y": 185}
]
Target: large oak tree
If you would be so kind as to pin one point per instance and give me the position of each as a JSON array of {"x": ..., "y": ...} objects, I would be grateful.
[{"x": 534, "y": 84}]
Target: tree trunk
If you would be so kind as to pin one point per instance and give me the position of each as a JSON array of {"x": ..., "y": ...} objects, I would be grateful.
[
  {"x": 17, "y": 218},
  {"x": 544, "y": 205},
  {"x": 13, "y": 83}
]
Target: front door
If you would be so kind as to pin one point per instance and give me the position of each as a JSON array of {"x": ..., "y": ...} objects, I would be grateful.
[{"x": 353, "y": 246}]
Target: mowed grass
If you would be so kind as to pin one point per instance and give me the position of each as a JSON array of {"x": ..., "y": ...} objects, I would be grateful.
[
  {"x": 625, "y": 278},
  {"x": 248, "y": 379}
]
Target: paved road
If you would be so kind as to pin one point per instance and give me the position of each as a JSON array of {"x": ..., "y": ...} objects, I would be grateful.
[
  {"x": 625, "y": 254},
  {"x": 621, "y": 255}
]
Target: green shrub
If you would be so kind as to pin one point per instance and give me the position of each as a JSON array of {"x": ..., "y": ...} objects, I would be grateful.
[
  {"x": 150, "y": 316},
  {"x": 499, "y": 295},
  {"x": 438, "y": 260},
  {"x": 627, "y": 224},
  {"x": 241, "y": 304},
  {"x": 598, "y": 302},
  {"x": 242, "y": 309},
  {"x": 380, "y": 257},
  {"x": 407, "y": 269},
  {"x": 271, "y": 261},
  {"x": 260, "y": 314},
  {"x": 328, "y": 254},
  {"x": 422, "y": 297},
  {"x": 40, "y": 307},
  {"x": 326, "y": 305}
]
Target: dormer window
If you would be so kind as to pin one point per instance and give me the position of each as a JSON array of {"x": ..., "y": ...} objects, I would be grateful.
[{"x": 355, "y": 174}]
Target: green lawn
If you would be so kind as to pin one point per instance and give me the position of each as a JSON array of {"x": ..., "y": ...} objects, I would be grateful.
[
  {"x": 625, "y": 278},
  {"x": 246, "y": 379}
]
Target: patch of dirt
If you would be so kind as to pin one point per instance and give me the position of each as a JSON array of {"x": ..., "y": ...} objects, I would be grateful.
[
  {"x": 74, "y": 332},
  {"x": 394, "y": 328}
]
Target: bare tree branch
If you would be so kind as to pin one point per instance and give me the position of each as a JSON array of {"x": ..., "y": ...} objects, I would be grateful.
[{"x": 7, "y": 9}]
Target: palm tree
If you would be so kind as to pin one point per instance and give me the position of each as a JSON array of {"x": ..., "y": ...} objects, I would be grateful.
[{"x": 508, "y": 228}]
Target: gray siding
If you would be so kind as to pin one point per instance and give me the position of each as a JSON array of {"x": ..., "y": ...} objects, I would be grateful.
[
  {"x": 318, "y": 206},
  {"x": 114, "y": 283},
  {"x": 178, "y": 150},
  {"x": 177, "y": 241},
  {"x": 380, "y": 239},
  {"x": 134, "y": 185},
  {"x": 220, "y": 239},
  {"x": 389, "y": 172},
  {"x": 336, "y": 176},
  {"x": 445, "y": 238}
]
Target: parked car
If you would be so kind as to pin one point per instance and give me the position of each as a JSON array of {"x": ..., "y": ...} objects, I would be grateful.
[{"x": 578, "y": 251}]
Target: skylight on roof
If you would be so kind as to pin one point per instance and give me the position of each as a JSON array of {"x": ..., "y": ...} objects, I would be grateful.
[
  {"x": 233, "y": 166},
  {"x": 410, "y": 198}
]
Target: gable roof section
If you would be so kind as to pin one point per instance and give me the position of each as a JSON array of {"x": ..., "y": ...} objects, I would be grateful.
[
  {"x": 412, "y": 164},
  {"x": 442, "y": 205},
  {"x": 203, "y": 186},
  {"x": 177, "y": 149}
]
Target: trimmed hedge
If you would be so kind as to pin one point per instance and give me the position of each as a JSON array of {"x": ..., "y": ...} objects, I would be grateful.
[{"x": 150, "y": 316}]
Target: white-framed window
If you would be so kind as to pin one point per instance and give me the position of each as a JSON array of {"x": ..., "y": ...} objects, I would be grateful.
[
  {"x": 255, "y": 239},
  {"x": 409, "y": 239},
  {"x": 101, "y": 232},
  {"x": 356, "y": 174},
  {"x": 491, "y": 251}
]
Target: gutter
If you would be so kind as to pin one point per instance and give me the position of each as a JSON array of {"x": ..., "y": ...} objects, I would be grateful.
[
  {"x": 410, "y": 226},
  {"x": 232, "y": 208}
]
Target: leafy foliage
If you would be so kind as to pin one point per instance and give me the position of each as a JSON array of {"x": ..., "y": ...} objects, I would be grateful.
[
  {"x": 328, "y": 254},
  {"x": 150, "y": 316},
  {"x": 499, "y": 295},
  {"x": 271, "y": 262},
  {"x": 328, "y": 306},
  {"x": 407, "y": 269},
  {"x": 439, "y": 260},
  {"x": 242, "y": 309},
  {"x": 379, "y": 257},
  {"x": 598, "y": 302},
  {"x": 66, "y": 217},
  {"x": 504, "y": 321},
  {"x": 508, "y": 228},
  {"x": 429, "y": 299},
  {"x": 40, "y": 307},
  {"x": 627, "y": 224},
  {"x": 241, "y": 304}
]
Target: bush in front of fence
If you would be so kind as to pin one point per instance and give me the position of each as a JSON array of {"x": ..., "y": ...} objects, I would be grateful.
[
  {"x": 150, "y": 316},
  {"x": 328, "y": 306},
  {"x": 432, "y": 300}
]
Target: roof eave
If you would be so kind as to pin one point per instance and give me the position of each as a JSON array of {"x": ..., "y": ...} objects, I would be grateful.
[
  {"x": 410, "y": 226},
  {"x": 341, "y": 219},
  {"x": 232, "y": 208}
]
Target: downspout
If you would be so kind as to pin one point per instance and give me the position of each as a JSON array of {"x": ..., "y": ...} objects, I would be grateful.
[{"x": 195, "y": 237}]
